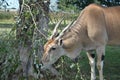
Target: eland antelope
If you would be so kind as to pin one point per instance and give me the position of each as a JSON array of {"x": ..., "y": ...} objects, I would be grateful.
[{"x": 95, "y": 28}]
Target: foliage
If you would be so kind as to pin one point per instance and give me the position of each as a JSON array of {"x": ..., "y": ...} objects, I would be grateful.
[
  {"x": 68, "y": 5},
  {"x": 110, "y": 2},
  {"x": 9, "y": 58},
  {"x": 73, "y": 4},
  {"x": 28, "y": 20}
]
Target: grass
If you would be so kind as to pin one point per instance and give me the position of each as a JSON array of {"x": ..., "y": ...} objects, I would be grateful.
[
  {"x": 6, "y": 25},
  {"x": 9, "y": 21},
  {"x": 111, "y": 64},
  {"x": 4, "y": 30},
  {"x": 71, "y": 71}
]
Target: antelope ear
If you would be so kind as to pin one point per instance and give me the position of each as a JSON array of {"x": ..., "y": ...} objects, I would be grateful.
[{"x": 60, "y": 42}]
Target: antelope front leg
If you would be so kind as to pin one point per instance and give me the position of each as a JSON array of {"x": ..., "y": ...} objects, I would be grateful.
[
  {"x": 100, "y": 59},
  {"x": 91, "y": 57}
]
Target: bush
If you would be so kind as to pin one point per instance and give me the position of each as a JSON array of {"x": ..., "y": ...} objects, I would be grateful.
[{"x": 9, "y": 59}]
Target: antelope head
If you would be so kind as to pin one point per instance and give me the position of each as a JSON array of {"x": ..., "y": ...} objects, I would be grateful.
[{"x": 53, "y": 49}]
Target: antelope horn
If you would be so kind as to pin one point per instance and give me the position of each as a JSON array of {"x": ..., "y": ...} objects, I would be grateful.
[
  {"x": 55, "y": 32},
  {"x": 63, "y": 31}
]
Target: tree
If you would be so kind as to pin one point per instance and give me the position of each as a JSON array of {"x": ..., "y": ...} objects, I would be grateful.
[
  {"x": 68, "y": 5},
  {"x": 4, "y": 4},
  {"x": 110, "y": 2},
  {"x": 73, "y": 4},
  {"x": 30, "y": 29}
]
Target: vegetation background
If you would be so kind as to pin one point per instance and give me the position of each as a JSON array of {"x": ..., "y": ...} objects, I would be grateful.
[{"x": 23, "y": 34}]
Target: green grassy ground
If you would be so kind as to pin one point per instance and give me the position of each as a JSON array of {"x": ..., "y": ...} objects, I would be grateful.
[
  {"x": 6, "y": 25},
  {"x": 111, "y": 64}
]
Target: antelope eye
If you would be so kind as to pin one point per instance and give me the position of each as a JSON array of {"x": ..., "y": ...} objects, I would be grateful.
[{"x": 53, "y": 48}]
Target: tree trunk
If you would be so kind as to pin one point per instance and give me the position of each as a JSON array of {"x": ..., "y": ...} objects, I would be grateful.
[{"x": 42, "y": 25}]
